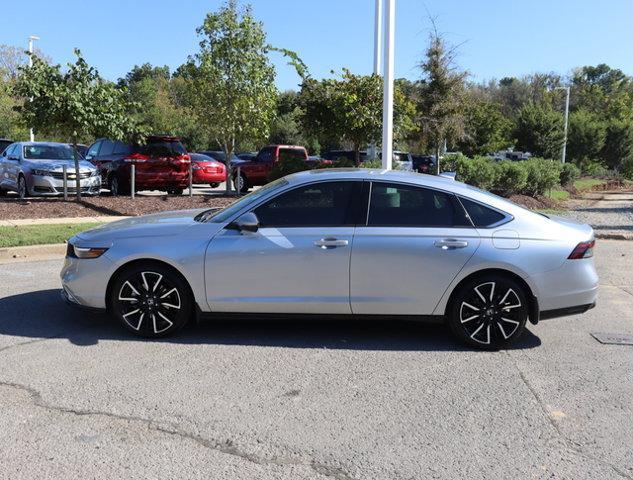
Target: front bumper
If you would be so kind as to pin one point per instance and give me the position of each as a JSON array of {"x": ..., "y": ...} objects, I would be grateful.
[
  {"x": 43, "y": 185},
  {"x": 85, "y": 281}
]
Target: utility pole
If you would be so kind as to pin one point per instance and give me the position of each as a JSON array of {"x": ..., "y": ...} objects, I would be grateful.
[
  {"x": 377, "y": 58},
  {"x": 31, "y": 39},
  {"x": 387, "y": 103},
  {"x": 567, "y": 89}
]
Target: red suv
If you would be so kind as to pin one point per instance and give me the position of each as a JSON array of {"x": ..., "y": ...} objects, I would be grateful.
[
  {"x": 161, "y": 163},
  {"x": 255, "y": 172}
]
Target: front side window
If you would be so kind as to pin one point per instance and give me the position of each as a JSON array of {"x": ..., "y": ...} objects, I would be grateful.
[
  {"x": 326, "y": 204},
  {"x": 394, "y": 205},
  {"x": 94, "y": 149}
]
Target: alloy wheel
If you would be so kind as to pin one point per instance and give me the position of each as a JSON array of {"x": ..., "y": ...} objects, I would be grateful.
[
  {"x": 491, "y": 313},
  {"x": 149, "y": 302}
]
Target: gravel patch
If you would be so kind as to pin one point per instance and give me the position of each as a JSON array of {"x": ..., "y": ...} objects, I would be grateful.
[{"x": 610, "y": 214}]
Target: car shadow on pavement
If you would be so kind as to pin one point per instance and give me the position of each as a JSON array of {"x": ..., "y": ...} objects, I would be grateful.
[{"x": 43, "y": 314}]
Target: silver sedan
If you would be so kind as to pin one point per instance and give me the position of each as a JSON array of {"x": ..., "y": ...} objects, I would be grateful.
[
  {"x": 361, "y": 243},
  {"x": 37, "y": 169}
]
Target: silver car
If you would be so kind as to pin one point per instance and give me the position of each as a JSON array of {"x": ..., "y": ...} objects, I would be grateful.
[
  {"x": 36, "y": 169},
  {"x": 362, "y": 243}
]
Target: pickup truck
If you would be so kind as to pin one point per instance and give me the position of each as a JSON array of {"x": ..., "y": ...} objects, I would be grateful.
[{"x": 255, "y": 172}]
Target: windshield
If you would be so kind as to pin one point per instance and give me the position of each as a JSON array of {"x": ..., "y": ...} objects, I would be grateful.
[
  {"x": 48, "y": 152},
  {"x": 221, "y": 216}
]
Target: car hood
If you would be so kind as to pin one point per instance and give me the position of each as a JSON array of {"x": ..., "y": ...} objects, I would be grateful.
[
  {"x": 84, "y": 165},
  {"x": 156, "y": 225}
]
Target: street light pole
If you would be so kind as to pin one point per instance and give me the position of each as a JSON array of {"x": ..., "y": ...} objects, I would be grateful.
[
  {"x": 31, "y": 39},
  {"x": 567, "y": 91},
  {"x": 377, "y": 58},
  {"x": 387, "y": 103}
]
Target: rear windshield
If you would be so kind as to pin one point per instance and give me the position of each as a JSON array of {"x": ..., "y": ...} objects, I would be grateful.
[
  {"x": 49, "y": 152},
  {"x": 292, "y": 154},
  {"x": 161, "y": 148}
]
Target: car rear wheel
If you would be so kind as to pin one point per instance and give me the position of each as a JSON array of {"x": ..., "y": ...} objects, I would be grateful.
[
  {"x": 489, "y": 312},
  {"x": 151, "y": 300},
  {"x": 241, "y": 183},
  {"x": 114, "y": 185}
]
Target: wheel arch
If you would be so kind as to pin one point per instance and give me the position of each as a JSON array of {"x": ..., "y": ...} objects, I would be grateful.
[
  {"x": 532, "y": 299},
  {"x": 149, "y": 261}
]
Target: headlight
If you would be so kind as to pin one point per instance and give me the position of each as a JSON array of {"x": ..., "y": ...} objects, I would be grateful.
[
  {"x": 84, "y": 252},
  {"x": 43, "y": 173}
]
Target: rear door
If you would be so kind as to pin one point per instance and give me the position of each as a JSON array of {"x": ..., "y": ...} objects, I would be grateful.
[{"x": 414, "y": 242}]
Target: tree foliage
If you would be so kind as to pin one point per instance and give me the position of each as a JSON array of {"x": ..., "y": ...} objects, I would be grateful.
[
  {"x": 76, "y": 103},
  {"x": 540, "y": 130},
  {"x": 232, "y": 89}
]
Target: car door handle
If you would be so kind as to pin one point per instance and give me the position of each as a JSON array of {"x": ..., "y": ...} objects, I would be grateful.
[
  {"x": 450, "y": 243},
  {"x": 330, "y": 242}
]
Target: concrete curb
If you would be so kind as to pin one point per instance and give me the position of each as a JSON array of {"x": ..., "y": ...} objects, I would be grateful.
[
  {"x": 62, "y": 220},
  {"x": 614, "y": 236},
  {"x": 32, "y": 253}
]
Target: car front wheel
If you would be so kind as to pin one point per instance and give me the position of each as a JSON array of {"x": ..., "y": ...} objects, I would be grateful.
[
  {"x": 23, "y": 190},
  {"x": 151, "y": 300},
  {"x": 489, "y": 312}
]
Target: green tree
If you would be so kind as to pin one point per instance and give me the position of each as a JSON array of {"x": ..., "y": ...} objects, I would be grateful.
[
  {"x": 76, "y": 103},
  {"x": 618, "y": 145},
  {"x": 487, "y": 129},
  {"x": 442, "y": 105},
  {"x": 349, "y": 110},
  {"x": 232, "y": 88},
  {"x": 586, "y": 137},
  {"x": 539, "y": 130}
]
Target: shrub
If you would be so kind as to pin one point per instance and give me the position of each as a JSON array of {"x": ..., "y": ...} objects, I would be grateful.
[
  {"x": 448, "y": 163},
  {"x": 286, "y": 166},
  {"x": 375, "y": 163},
  {"x": 627, "y": 168},
  {"x": 479, "y": 172},
  {"x": 542, "y": 175},
  {"x": 568, "y": 173},
  {"x": 511, "y": 177}
]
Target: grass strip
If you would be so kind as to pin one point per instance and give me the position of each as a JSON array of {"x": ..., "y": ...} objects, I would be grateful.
[{"x": 41, "y": 234}]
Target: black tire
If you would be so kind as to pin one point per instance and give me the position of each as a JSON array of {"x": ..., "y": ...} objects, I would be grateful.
[
  {"x": 488, "y": 312},
  {"x": 151, "y": 300},
  {"x": 114, "y": 185},
  {"x": 244, "y": 185},
  {"x": 214, "y": 185},
  {"x": 3, "y": 193},
  {"x": 23, "y": 188}
]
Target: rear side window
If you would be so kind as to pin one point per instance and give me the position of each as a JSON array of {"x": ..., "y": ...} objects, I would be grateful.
[
  {"x": 480, "y": 215},
  {"x": 121, "y": 148},
  {"x": 266, "y": 154},
  {"x": 326, "y": 204},
  {"x": 394, "y": 205}
]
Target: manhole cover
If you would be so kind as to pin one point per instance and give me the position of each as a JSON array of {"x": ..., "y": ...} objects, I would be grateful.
[{"x": 613, "y": 338}]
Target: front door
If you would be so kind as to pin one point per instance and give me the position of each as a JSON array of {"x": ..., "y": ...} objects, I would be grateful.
[
  {"x": 415, "y": 241},
  {"x": 297, "y": 262}
]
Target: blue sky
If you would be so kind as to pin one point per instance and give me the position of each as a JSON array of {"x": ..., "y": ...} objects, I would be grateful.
[{"x": 498, "y": 37}]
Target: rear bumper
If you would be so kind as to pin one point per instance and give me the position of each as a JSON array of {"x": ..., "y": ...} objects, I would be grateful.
[
  {"x": 202, "y": 177},
  {"x": 563, "y": 312}
]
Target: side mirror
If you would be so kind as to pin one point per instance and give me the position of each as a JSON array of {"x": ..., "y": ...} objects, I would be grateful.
[{"x": 246, "y": 223}]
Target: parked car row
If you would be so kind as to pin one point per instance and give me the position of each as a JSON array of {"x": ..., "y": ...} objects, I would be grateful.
[{"x": 160, "y": 163}]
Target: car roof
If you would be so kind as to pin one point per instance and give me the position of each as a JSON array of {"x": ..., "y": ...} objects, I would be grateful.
[{"x": 47, "y": 144}]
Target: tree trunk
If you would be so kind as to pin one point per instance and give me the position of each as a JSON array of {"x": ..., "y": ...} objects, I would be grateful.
[
  {"x": 77, "y": 176},
  {"x": 357, "y": 155}
]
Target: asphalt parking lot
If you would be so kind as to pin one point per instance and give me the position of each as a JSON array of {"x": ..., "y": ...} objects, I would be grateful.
[{"x": 80, "y": 398}]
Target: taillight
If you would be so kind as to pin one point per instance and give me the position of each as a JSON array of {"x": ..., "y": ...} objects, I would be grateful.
[
  {"x": 183, "y": 158},
  {"x": 582, "y": 250},
  {"x": 136, "y": 158}
]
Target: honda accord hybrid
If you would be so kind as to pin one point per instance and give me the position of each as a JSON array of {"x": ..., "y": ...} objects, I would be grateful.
[{"x": 341, "y": 243}]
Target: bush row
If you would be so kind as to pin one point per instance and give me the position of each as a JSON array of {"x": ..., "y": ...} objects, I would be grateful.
[{"x": 531, "y": 177}]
